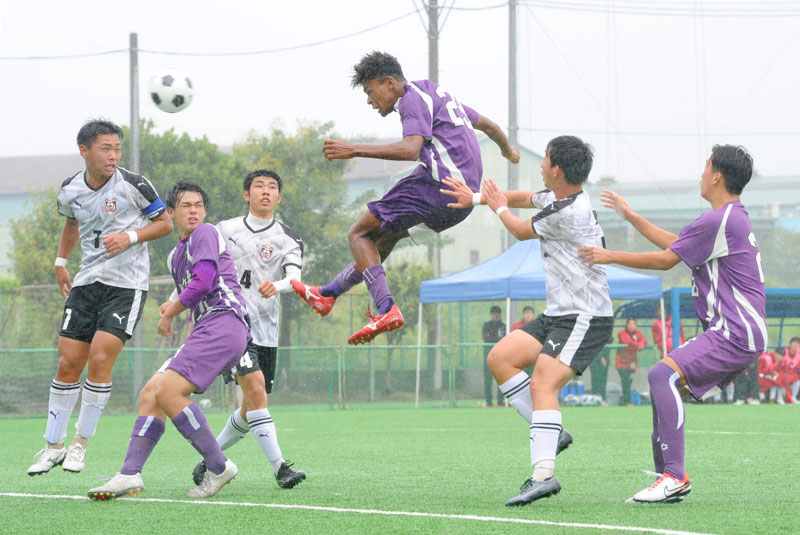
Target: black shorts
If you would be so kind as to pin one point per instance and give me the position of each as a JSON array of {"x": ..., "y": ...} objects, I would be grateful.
[
  {"x": 100, "y": 307},
  {"x": 575, "y": 339},
  {"x": 256, "y": 358}
]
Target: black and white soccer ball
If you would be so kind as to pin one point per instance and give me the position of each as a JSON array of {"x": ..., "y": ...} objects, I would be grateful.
[{"x": 171, "y": 90}]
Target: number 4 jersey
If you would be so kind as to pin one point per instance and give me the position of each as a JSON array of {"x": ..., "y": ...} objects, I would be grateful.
[
  {"x": 127, "y": 201},
  {"x": 262, "y": 255}
]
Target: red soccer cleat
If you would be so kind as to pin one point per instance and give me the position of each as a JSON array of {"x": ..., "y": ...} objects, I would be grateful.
[
  {"x": 390, "y": 321},
  {"x": 310, "y": 294}
]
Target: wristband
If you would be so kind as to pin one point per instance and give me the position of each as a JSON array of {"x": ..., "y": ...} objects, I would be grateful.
[
  {"x": 500, "y": 209},
  {"x": 133, "y": 236},
  {"x": 60, "y": 261},
  {"x": 476, "y": 198}
]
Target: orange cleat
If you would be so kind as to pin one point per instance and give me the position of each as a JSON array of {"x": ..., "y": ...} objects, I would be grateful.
[
  {"x": 310, "y": 294},
  {"x": 382, "y": 323}
]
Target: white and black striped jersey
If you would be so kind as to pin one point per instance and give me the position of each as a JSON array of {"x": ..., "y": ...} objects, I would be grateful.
[
  {"x": 262, "y": 255},
  {"x": 564, "y": 225},
  {"x": 127, "y": 201}
]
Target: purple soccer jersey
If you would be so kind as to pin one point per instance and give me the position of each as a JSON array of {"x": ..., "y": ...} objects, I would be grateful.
[
  {"x": 205, "y": 243},
  {"x": 450, "y": 147},
  {"x": 727, "y": 278}
]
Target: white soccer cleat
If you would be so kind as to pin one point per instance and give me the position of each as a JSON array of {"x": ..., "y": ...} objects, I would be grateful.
[
  {"x": 74, "y": 461},
  {"x": 45, "y": 460},
  {"x": 666, "y": 489},
  {"x": 119, "y": 485},
  {"x": 212, "y": 482}
]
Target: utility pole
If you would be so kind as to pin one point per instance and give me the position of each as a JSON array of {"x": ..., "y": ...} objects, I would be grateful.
[
  {"x": 434, "y": 250},
  {"x": 134, "y": 61}
]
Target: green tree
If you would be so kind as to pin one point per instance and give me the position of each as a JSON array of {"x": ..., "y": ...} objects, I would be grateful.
[{"x": 36, "y": 236}]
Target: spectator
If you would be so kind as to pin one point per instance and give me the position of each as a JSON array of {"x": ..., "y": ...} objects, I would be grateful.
[
  {"x": 788, "y": 368},
  {"x": 527, "y": 317},
  {"x": 768, "y": 374},
  {"x": 746, "y": 386},
  {"x": 658, "y": 330},
  {"x": 627, "y": 357},
  {"x": 493, "y": 331}
]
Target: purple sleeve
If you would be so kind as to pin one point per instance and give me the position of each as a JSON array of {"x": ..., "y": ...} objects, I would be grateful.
[
  {"x": 695, "y": 242},
  {"x": 472, "y": 115},
  {"x": 203, "y": 275},
  {"x": 415, "y": 116}
]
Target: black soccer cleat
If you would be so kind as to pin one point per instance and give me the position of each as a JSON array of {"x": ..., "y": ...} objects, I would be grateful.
[
  {"x": 287, "y": 477},
  {"x": 533, "y": 490},
  {"x": 199, "y": 472},
  {"x": 564, "y": 441}
]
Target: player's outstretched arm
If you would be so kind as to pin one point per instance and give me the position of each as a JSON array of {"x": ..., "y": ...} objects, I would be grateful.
[
  {"x": 520, "y": 228},
  {"x": 496, "y": 134},
  {"x": 658, "y": 236},
  {"x": 70, "y": 235},
  {"x": 662, "y": 260},
  {"x": 465, "y": 197},
  {"x": 407, "y": 149}
]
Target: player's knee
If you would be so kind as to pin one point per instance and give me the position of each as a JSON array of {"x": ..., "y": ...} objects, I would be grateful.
[{"x": 495, "y": 360}]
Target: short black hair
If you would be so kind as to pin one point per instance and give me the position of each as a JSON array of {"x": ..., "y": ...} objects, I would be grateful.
[
  {"x": 249, "y": 177},
  {"x": 376, "y": 66},
  {"x": 181, "y": 187},
  {"x": 735, "y": 164},
  {"x": 96, "y": 127},
  {"x": 527, "y": 309},
  {"x": 494, "y": 309},
  {"x": 573, "y": 156},
  {"x": 794, "y": 339}
]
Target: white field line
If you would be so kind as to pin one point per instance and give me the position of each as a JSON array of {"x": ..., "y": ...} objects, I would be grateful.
[
  {"x": 380, "y": 512},
  {"x": 708, "y": 432}
]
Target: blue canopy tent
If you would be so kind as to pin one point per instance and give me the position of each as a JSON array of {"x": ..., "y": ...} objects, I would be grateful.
[{"x": 517, "y": 274}]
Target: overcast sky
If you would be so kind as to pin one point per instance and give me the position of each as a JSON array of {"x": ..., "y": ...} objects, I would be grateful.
[{"x": 651, "y": 92}]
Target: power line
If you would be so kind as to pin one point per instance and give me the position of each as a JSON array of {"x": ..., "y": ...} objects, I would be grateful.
[{"x": 214, "y": 54}]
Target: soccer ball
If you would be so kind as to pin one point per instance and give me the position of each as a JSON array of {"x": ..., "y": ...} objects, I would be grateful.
[
  {"x": 590, "y": 400},
  {"x": 205, "y": 404},
  {"x": 171, "y": 90},
  {"x": 572, "y": 400}
]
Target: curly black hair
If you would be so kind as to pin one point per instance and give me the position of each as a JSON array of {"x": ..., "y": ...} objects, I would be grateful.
[{"x": 376, "y": 66}]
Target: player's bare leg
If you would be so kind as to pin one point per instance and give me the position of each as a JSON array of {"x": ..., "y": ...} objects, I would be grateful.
[{"x": 103, "y": 353}]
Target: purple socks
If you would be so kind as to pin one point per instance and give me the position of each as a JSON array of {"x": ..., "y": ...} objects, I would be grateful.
[
  {"x": 192, "y": 424},
  {"x": 345, "y": 280},
  {"x": 375, "y": 278},
  {"x": 668, "y": 420},
  {"x": 147, "y": 431}
]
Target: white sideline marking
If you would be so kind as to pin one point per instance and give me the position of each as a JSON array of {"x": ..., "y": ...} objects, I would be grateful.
[
  {"x": 378, "y": 512},
  {"x": 708, "y": 432}
]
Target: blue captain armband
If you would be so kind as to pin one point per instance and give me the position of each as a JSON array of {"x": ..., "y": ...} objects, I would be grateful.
[{"x": 154, "y": 209}]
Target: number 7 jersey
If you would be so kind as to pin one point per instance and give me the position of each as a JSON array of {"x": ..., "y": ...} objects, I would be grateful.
[
  {"x": 262, "y": 255},
  {"x": 126, "y": 201}
]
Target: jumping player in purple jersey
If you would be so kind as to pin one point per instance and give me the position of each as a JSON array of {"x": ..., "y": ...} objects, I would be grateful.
[
  {"x": 207, "y": 280},
  {"x": 439, "y": 133},
  {"x": 729, "y": 298}
]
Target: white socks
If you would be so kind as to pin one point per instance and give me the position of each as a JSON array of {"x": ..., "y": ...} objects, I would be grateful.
[
  {"x": 93, "y": 401},
  {"x": 518, "y": 392},
  {"x": 63, "y": 397},
  {"x": 545, "y": 428},
  {"x": 263, "y": 429},
  {"x": 235, "y": 429}
]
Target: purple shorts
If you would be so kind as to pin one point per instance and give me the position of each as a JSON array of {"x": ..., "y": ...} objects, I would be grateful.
[
  {"x": 710, "y": 360},
  {"x": 214, "y": 346},
  {"x": 416, "y": 199}
]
